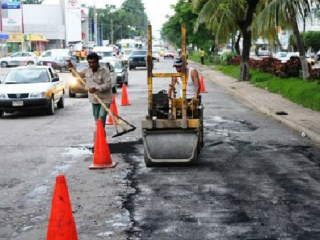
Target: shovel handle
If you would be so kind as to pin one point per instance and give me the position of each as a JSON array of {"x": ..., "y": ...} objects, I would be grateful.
[{"x": 74, "y": 72}]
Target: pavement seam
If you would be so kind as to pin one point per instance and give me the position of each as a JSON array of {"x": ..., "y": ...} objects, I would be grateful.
[{"x": 254, "y": 103}]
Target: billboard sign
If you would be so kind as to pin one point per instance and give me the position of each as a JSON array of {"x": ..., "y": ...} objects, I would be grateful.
[
  {"x": 11, "y": 14},
  {"x": 11, "y": 5}
]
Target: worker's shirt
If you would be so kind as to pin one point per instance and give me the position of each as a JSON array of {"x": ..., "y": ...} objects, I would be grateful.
[
  {"x": 101, "y": 80},
  {"x": 202, "y": 53},
  {"x": 191, "y": 87}
]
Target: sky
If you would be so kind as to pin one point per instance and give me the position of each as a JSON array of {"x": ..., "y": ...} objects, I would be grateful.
[{"x": 155, "y": 9}]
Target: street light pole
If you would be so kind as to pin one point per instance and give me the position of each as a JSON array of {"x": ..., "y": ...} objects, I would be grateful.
[
  {"x": 111, "y": 31},
  {"x": 95, "y": 19}
]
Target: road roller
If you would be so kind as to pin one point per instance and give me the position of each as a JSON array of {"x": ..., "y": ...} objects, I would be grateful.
[{"x": 172, "y": 131}]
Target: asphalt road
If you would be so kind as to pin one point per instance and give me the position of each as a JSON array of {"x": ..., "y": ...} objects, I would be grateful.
[{"x": 256, "y": 178}]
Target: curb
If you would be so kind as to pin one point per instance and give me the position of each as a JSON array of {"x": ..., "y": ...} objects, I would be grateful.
[{"x": 290, "y": 123}]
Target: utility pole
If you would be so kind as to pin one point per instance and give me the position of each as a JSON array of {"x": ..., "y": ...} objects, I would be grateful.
[
  {"x": 121, "y": 30},
  {"x": 101, "y": 29},
  {"x": 95, "y": 19},
  {"x": 111, "y": 31}
]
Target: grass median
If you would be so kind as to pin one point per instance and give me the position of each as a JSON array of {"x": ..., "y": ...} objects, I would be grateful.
[{"x": 296, "y": 90}]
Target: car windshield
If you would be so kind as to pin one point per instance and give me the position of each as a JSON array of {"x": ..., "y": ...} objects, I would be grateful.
[
  {"x": 33, "y": 75},
  {"x": 137, "y": 53},
  {"x": 105, "y": 54},
  {"x": 116, "y": 64}
]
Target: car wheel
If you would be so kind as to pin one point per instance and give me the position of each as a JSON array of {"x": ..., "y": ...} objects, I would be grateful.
[
  {"x": 50, "y": 110},
  {"x": 71, "y": 94},
  {"x": 1, "y": 114},
  {"x": 114, "y": 89},
  {"x": 61, "y": 102},
  {"x": 4, "y": 64},
  {"x": 30, "y": 63}
]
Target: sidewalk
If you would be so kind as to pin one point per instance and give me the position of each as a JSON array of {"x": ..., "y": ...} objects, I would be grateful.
[{"x": 299, "y": 118}]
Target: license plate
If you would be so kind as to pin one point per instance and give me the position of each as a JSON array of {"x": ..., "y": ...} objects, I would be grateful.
[{"x": 17, "y": 103}]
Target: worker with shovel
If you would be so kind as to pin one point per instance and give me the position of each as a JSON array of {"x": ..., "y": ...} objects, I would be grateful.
[{"x": 98, "y": 80}]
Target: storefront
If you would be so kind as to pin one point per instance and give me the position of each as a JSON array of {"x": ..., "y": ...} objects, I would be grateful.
[
  {"x": 15, "y": 43},
  {"x": 37, "y": 43}
]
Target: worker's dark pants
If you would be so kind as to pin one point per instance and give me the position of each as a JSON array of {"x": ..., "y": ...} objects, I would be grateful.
[{"x": 202, "y": 60}]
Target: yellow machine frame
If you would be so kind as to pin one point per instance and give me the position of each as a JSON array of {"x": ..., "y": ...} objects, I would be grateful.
[{"x": 185, "y": 128}]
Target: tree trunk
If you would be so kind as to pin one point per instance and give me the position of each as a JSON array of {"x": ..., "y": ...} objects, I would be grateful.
[
  {"x": 244, "y": 68},
  {"x": 302, "y": 53},
  {"x": 237, "y": 45},
  {"x": 246, "y": 34}
]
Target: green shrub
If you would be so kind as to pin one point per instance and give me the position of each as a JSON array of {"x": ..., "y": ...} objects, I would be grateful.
[{"x": 296, "y": 89}]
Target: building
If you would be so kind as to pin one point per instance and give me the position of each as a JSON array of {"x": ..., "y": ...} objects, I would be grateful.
[{"x": 37, "y": 27}]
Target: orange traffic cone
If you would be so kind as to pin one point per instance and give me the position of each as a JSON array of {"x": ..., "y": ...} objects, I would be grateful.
[
  {"x": 61, "y": 222},
  {"x": 124, "y": 96},
  {"x": 114, "y": 109},
  {"x": 101, "y": 156},
  {"x": 202, "y": 86}
]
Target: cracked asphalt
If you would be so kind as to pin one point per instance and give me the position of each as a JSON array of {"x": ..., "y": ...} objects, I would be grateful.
[{"x": 255, "y": 179}]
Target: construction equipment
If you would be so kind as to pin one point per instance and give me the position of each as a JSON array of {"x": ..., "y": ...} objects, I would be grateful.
[
  {"x": 171, "y": 132},
  {"x": 123, "y": 124}
]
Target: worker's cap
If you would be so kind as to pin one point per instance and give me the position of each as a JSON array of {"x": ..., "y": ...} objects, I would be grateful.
[{"x": 177, "y": 62}]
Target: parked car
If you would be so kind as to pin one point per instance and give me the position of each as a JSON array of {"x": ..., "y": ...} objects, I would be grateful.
[
  {"x": 31, "y": 87},
  {"x": 138, "y": 58},
  {"x": 19, "y": 59},
  {"x": 264, "y": 53},
  {"x": 50, "y": 55},
  {"x": 125, "y": 53},
  {"x": 59, "y": 63},
  {"x": 121, "y": 70},
  {"x": 75, "y": 85},
  {"x": 106, "y": 53},
  {"x": 281, "y": 56},
  {"x": 168, "y": 54}
]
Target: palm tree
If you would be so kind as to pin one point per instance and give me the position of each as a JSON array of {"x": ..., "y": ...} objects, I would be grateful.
[
  {"x": 225, "y": 16},
  {"x": 287, "y": 14}
]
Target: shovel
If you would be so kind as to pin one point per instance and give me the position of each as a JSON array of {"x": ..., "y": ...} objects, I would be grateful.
[{"x": 122, "y": 123}]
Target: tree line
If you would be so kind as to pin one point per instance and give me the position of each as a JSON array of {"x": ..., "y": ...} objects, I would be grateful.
[
  {"x": 217, "y": 21},
  {"x": 128, "y": 21}
]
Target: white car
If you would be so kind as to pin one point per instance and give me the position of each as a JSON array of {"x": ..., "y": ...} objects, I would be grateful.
[
  {"x": 19, "y": 59},
  {"x": 52, "y": 54},
  {"x": 106, "y": 53},
  {"x": 31, "y": 87},
  {"x": 125, "y": 53}
]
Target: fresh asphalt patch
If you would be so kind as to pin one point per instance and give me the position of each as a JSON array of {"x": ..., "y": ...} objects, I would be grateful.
[{"x": 238, "y": 190}]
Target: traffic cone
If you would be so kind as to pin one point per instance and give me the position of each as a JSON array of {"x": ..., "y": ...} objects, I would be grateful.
[
  {"x": 202, "y": 86},
  {"x": 124, "y": 96},
  {"x": 113, "y": 108},
  {"x": 61, "y": 222},
  {"x": 101, "y": 156}
]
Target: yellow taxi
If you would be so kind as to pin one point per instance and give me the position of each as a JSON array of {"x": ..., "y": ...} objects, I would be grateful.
[{"x": 31, "y": 88}]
